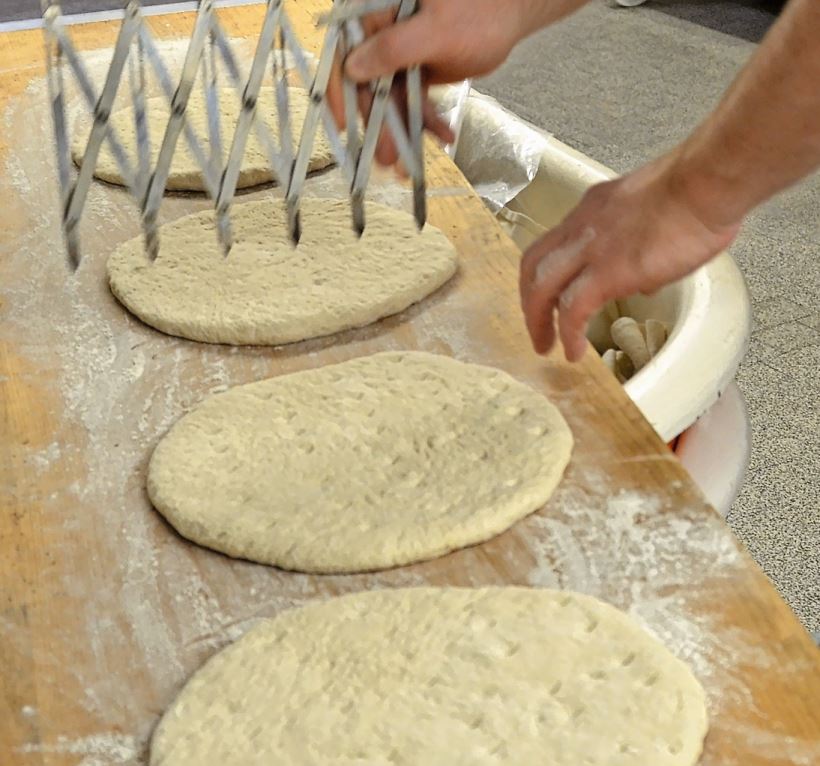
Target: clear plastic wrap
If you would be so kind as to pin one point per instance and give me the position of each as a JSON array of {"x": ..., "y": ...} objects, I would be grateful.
[{"x": 497, "y": 151}]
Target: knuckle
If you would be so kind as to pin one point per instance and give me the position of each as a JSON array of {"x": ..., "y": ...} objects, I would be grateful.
[
  {"x": 597, "y": 193},
  {"x": 646, "y": 271}
]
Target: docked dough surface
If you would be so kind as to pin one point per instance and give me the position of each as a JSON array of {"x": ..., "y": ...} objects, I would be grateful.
[
  {"x": 368, "y": 464},
  {"x": 268, "y": 292},
  {"x": 440, "y": 677},
  {"x": 186, "y": 174}
]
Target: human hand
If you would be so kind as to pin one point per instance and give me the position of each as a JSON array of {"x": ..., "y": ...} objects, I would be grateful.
[
  {"x": 451, "y": 39},
  {"x": 631, "y": 235}
]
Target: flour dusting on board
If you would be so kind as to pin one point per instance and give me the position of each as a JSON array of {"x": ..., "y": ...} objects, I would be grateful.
[
  {"x": 121, "y": 386},
  {"x": 96, "y": 750},
  {"x": 140, "y": 603},
  {"x": 657, "y": 560},
  {"x": 141, "y": 608}
]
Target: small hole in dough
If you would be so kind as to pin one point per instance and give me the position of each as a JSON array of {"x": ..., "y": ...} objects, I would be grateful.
[
  {"x": 652, "y": 679},
  {"x": 675, "y": 747}
]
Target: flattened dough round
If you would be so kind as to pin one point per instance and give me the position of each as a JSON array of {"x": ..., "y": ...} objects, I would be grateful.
[
  {"x": 440, "y": 677},
  {"x": 368, "y": 464},
  {"x": 186, "y": 174},
  {"x": 266, "y": 291}
]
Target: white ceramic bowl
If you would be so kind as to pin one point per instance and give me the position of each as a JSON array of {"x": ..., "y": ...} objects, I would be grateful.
[
  {"x": 533, "y": 180},
  {"x": 708, "y": 313}
]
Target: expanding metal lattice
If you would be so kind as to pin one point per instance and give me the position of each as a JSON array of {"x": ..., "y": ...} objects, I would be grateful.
[{"x": 210, "y": 51}]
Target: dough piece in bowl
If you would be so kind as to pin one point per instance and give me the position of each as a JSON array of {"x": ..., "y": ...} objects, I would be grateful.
[
  {"x": 186, "y": 174},
  {"x": 372, "y": 463},
  {"x": 267, "y": 291},
  {"x": 440, "y": 677}
]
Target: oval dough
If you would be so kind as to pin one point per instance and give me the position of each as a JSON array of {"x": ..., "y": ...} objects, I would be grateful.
[
  {"x": 440, "y": 677},
  {"x": 186, "y": 174},
  {"x": 368, "y": 464},
  {"x": 269, "y": 292}
]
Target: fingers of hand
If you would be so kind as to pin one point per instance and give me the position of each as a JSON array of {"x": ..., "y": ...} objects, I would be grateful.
[
  {"x": 549, "y": 268},
  {"x": 393, "y": 47},
  {"x": 365, "y": 99},
  {"x": 579, "y": 301},
  {"x": 436, "y": 124},
  {"x": 386, "y": 152},
  {"x": 335, "y": 93},
  {"x": 401, "y": 169},
  {"x": 540, "y": 320},
  {"x": 373, "y": 22}
]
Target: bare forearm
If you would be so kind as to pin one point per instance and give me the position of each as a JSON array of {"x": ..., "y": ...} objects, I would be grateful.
[{"x": 765, "y": 134}]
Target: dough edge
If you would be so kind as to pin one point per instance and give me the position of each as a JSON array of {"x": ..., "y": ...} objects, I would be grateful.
[
  {"x": 249, "y": 334},
  {"x": 517, "y": 507},
  {"x": 213, "y": 665}
]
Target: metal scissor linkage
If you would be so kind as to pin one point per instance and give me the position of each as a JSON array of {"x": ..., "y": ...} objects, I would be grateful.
[{"x": 136, "y": 54}]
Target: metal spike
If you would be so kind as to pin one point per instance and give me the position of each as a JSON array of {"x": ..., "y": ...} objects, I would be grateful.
[
  {"x": 384, "y": 109},
  {"x": 394, "y": 120},
  {"x": 314, "y": 112},
  {"x": 136, "y": 71},
  {"x": 210, "y": 84},
  {"x": 294, "y": 220},
  {"x": 156, "y": 189},
  {"x": 194, "y": 145},
  {"x": 56, "y": 90},
  {"x": 419, "y": 203},
  {"x": 289, "y": 162},
  {"x": 350, "y": 95},
  {"x": 357, "y": 209},
  {"x": 280, "y": 80},
  {"x": 415, "y": 121},
  {"x": 263, "y": 134},
  {"x": 101, "y": 129},
  {"x": 331, "y": 133},
  {"x": 247, "y": 115}
]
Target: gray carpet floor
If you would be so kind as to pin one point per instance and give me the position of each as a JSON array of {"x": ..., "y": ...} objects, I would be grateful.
[{"x": 623, "y": 85}]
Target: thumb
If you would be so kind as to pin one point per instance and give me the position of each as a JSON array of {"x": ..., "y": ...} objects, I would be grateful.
[{"x": 397, "y": 46}]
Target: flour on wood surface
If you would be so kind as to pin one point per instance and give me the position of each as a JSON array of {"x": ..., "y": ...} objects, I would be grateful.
[
  {"x": 95, "y": 750},
  {"x": 145, "y": 603},
  {"x": 632, "y": 553}
]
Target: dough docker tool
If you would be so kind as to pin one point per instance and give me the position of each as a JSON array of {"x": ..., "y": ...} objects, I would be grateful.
[{"x": 136, "y": 55}]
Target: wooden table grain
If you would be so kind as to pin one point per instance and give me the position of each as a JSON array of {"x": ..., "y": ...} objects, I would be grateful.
[{"x": 104, "y": 610}]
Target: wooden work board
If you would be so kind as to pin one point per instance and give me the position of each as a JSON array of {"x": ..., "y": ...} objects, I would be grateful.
[{"x": 105, "y": 610}]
